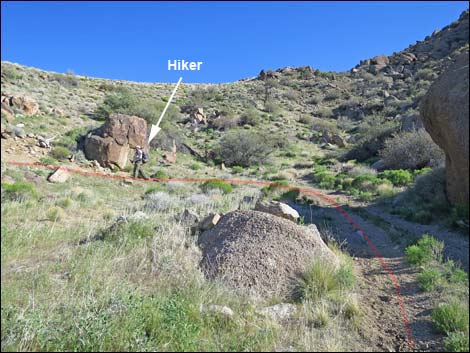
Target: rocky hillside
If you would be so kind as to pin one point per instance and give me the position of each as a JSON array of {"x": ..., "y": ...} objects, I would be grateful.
[{"x": 390, "y": 85}]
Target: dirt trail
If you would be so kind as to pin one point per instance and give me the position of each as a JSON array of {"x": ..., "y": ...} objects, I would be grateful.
[{"x": 383, "y": 324}]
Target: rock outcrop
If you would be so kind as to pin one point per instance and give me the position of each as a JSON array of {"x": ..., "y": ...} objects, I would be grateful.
[
  {"x": 112, "y": 144},
  {"x": 445, "y": 115},
  {"x": 24, "y": 105}
]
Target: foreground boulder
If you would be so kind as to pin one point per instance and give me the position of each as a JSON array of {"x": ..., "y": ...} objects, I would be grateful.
[
  {"x": 445, "y": 115},
  {"x": 278, "y": 209},
  {"x": 260, "y": 253},
  {"x": 113, "y": 144}
]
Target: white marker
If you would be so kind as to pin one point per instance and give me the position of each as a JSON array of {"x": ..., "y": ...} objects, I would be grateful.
[{"x": 155, "y": 128}]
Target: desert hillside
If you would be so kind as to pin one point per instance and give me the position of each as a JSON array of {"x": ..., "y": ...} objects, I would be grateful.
[{"x": 298, "y": 210}]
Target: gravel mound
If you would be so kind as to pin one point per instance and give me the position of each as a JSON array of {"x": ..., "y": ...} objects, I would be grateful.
[{"x": 260, "y": 253}]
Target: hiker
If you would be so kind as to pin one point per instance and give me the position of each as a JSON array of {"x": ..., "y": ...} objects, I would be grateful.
[{"x": 140, "y": 157}]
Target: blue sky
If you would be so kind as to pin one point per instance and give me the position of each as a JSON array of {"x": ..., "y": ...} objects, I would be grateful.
[{"x": 134, "y": 40}]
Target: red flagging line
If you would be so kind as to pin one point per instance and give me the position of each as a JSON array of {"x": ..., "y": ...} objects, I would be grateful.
[{"x": 259, "y": 183}]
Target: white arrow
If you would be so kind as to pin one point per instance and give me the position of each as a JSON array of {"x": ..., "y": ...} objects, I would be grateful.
[{"x": 155, "y": 128}]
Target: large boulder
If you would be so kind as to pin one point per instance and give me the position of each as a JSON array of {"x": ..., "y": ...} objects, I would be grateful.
[
  {"x": 112, "y": 144},
  {"x": 445, "y": 114},
  {"x": 260, "y": 253}
]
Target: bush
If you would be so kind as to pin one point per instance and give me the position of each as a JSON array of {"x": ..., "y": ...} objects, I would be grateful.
[
  {"x": 237, "y": 169},
  {"x": 60, "y": 153},
  {"x": 456, "y": 342},
  {"x": 366, "y": 183},
  {"x": 217, "y": 184},
  {"x": 66, "y": 80},
  {"x": 306, "y": 119},
  {"x": 11, "y": 73},
  {"x": 430, "y": 279},
  {"x": 426, "y": 250},
  {"x": 250, "y": 117},
  {"x": 358, "y": 170},
  {"x": 331, "y": 96},
  {"x": 245, "y": 148},
  {"x": 160, "y": 174},
  {"x": 324, "y": 179},
  {"x": 398, "y": 177},
  {"x": 195, "y": 166},
  {"x": 411, "y": 150},
  {"x": 451, "y": 317},
  {"x": 429, "y": 187},
  {"x": 18, "y": 191},
  {"x": 124, "y": 101},
  {"x": 55, "y": 214},
  {"x": 322, "y": 278},
  {"x": 323, "y": 126},
  {"x": 154, "y": 188}
]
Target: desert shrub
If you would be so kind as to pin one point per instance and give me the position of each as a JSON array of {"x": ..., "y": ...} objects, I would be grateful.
[
  {"x": 250, "y": 117},
  {"x": 55, "y": 214},
  {"x": 66, "y": 80},
  {"x": 290, "y": 195},
  {"x": 421, "y": 216},
  {"x": 314, "y": 100},
  {"x": 48, "y": 160},
  {"x": 322, "y": 278},
  {"x": 18, "y": 191},
  {"x": 60, "y": 153},
  {"x": 124, "y": 101},
  {"x": 11, "y": 73},
  {"x": 422, "y": 171},
  {"x": 366, "y": 183},
  {"x": 358, "y": 170},
  {"x": 331, "y": 96},
  {"x": 398, "y": 177},
  {"x": 128, "y": 231},
  {"x": 272, "y": 107},
  {"x": 154, "y": 188},
  {"x": 160, "y": 201},
  {"x": 372, "y": 131},
  {"x": 217, "y": 184},
  {"x": 306, "y": 119},
  {"x": 456, "y": 342},
  {"x": 325, "y": 112},
  {"x": 426, "y": 74},
  {"x": 237, "y": 169},
  {"x": 429, "y": 279},
  {"x": 429, "y": 187},
  {"x": 195, "y": 166},
  {"x": 411, "y": 150},
  {"x": 245, "y": 148},
  {"x": 451, "y": 317},
  {"x": 323, "y": 177},
  {"x": 225, "y": 122},
  {"x": 160, "y": 174},
  {"x": 426, "y": 250},
  {"x": 324, "y": 126},
  {"x": 291, "y": 95}
]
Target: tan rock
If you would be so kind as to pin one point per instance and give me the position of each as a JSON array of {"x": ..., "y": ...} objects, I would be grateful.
[
  {"x": 113, "y": 145},
  {"x": 60, "y": 175},
  {"x": 445, "y": 114},
  {"x": 278, "y": 209},
  {"x": 208, "y": 222}
]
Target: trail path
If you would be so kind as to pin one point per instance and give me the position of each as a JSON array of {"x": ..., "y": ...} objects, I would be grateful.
[{"x": 383, "y": 324}]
